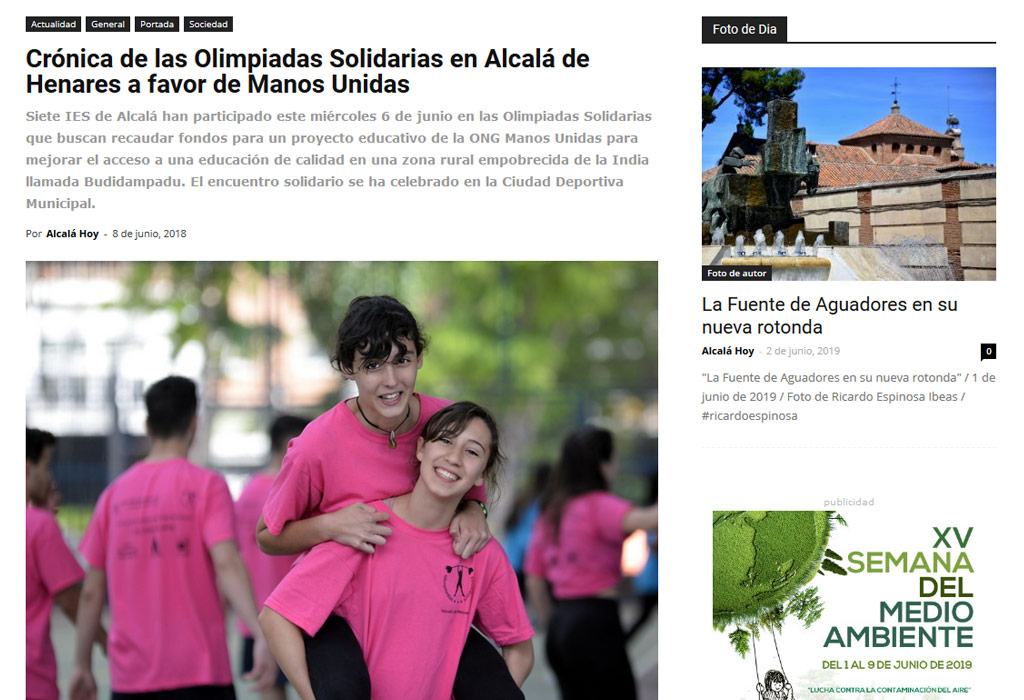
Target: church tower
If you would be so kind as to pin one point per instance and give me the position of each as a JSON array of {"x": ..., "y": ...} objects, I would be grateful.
[
  {"x": 896, "y": 139},
  {"x": 953, "y": 129}
]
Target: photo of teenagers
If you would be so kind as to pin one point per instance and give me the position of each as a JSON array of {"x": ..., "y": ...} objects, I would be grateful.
[{"x": 495, "y": 544}]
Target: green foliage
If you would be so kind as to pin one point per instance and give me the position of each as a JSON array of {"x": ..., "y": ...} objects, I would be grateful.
[
  {"x": 829, "y": 565},
  {"x": 740, "y": 639},
  {"x": 772, "y": 619},
  {"x": 751, "y": 89},
  {"x": 806, "y": 606},
  {"x": 197, "y": 294},
  {"x": 833, "y": 555}
]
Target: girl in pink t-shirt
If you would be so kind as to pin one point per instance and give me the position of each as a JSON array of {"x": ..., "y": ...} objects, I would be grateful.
[
  {"x": 410, "y": 604},
  {"x": 576, "y": 547},
  {"x": 359, "y": 452}
]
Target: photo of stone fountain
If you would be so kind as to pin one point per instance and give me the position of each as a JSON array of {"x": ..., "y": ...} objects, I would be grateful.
[
  {"x": 736, "y": 201},
  {"x": 748, "y": 216}
]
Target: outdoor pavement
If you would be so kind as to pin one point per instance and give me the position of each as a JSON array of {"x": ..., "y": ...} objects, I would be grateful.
[{"x": 541, "y": 685}]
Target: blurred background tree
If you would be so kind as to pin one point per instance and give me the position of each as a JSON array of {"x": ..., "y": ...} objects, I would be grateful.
[{"x": 198, "y": 294}]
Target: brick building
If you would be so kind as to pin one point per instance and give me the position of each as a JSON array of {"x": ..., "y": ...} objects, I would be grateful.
[{"x": 898, "y": 182}]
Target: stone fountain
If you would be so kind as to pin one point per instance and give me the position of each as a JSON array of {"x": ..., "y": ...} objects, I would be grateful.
[{"x": 748, "y": 195}]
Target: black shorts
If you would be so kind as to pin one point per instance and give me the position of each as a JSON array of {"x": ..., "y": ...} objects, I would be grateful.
[
  {"x": 337, "y": 668},
  {"x": 586, "y": 649},
  {"x": 247, "y": 645},
  {"x": 196, "y": 692}
]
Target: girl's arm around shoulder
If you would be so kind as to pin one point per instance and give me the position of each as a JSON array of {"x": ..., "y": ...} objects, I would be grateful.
[
  {"x": 469, "y": 529},
  {"x": 358, "y": 526},
  {"x": 519, "y": 659},
  {"x": 641, "y": 519}
]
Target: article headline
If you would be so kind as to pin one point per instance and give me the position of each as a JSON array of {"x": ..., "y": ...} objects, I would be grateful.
[
  {"x": 258, "y": 81},
  {"x": 832, "y": 307}
]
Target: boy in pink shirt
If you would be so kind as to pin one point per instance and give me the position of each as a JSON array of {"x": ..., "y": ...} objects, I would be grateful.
[
  {"x": 410, "y": 604},
  {"x": 359, "y": 452},
  {"x": 265, "y": 571},
  {"x": 161, "y": 544},
  {"x": 576, "y": 546},
  {"x": 51, "y": 572}
]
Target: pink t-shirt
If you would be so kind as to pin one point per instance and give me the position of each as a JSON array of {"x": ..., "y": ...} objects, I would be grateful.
[
  {"x": 586, "y": 558},
  {"x": 265, "y": 571},
  {"x": 410, "y": 605},
  {"x": 50, "y": 567},
  {"x": 151, "y": 532},
  {"x": 336, "y": 462}
]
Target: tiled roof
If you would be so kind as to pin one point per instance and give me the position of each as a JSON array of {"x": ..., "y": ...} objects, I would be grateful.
[
  {"x": 964, "y": 165},
  {"x": 839, "y": 174},
  {"x": 852, "y": 165},
  {"x": 916, "y": 159},
  {"x": 897, "y": 125},
  {"x": 852, "y": 154}
]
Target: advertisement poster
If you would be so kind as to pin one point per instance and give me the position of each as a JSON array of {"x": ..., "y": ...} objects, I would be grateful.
[{"x": 827, "y": 605}]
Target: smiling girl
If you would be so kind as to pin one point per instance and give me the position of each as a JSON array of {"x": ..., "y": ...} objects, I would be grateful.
[{"x": 411, "y": 603}]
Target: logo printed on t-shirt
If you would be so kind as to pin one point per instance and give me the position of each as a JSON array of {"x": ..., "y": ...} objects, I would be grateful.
[
  {"x": 135, "y": 503},
  {"x": 458, "y": 583}
]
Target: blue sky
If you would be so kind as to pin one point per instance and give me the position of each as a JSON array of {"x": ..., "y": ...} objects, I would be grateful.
[{"x": 839, "y": 102}]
